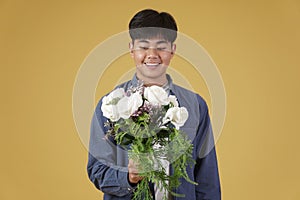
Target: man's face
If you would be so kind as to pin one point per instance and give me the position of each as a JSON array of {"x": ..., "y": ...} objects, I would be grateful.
[{"x": 152, "y": 58}]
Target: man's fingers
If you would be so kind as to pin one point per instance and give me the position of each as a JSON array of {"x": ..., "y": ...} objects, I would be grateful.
[
  {"x": 134, "y": 178},
  {"x": 132, "y": 168},
  {"x": 133, "y": 174}
]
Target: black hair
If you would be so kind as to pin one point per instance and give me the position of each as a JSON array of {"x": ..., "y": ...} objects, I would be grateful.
[{"x": 150, "y": 23}]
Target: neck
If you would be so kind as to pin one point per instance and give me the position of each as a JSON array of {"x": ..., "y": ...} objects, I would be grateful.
[{"x": 149, "y": 83}]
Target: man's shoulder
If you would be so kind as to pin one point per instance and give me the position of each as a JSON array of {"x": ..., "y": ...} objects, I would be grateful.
[
  {"x": 124, "y": 85},
  {"x": 179, "y": 88},
  {"x": 188, "y": 94}
]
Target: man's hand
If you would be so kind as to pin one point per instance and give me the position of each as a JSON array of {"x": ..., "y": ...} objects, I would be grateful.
[{"x": 133, "y": 174}]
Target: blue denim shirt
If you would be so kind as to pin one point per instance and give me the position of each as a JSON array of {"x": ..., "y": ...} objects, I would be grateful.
[{"x": 107, "y": 164}]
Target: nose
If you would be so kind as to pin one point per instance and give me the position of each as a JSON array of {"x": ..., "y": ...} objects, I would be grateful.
[{"x": 152, "y": 53}]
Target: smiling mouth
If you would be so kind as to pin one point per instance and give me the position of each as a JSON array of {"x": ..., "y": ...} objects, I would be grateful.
[{"x": 152, "y": 64}]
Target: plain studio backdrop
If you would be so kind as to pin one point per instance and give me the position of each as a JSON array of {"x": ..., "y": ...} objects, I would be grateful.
[{"x": 255, "y": 45}]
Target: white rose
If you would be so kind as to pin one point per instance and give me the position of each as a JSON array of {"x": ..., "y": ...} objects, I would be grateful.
[
  {"x": 156, "y": 95},
  {"x": 128, "y": 105},
  {"x": 173, "y": 100},
  {"x": 177, "y": 116},
  {"x": 109, "y": 102},
  {"x": 110, "y": 111},
  {"x": 114, "y": 96}
]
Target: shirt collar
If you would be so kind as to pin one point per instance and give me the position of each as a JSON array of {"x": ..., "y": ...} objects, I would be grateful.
[{"x": 168, "y": 86}]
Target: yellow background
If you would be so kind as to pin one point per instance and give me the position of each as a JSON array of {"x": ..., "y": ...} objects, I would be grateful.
[{"x": 255, "y": 44}]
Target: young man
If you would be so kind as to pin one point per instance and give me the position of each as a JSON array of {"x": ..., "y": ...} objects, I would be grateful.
[{"x": 152, "y": 48}]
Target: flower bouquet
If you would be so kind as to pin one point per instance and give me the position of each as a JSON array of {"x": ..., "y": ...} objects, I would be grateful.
[{"x": 146, "y": 121}]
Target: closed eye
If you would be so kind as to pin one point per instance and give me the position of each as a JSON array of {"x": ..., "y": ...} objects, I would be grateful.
[
  {"x": 161, "y": 48},
  {"x": 144, "y": 48}
]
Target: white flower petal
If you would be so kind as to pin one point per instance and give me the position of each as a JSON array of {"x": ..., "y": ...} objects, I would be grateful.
[
  {"x": 128, "y": 105},
  {"x": 177, "y": 116},
  {"x": 156, "y": 95},
  {"x": 109, "y": 102},
  {"x": 173, "y": 100},
  {"x": 110, "y": 112}
]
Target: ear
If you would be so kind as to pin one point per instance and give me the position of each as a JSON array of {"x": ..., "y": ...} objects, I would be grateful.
[
  {"x": 173, "y": 49},
  {"x": 131, "y": 48}
]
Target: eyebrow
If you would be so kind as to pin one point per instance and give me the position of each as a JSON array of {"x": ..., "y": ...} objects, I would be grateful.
[
  {"x": 158, "y": 42},
  {"x": 162, "y": 42}
]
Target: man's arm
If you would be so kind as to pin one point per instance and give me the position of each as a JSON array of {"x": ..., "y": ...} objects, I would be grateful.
[
  {"x": 206, "y": 169},
  {"x": 103, "y": 169}
]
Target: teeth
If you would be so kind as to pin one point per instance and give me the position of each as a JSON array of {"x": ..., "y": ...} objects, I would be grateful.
[{"x": 152, "y": 64}]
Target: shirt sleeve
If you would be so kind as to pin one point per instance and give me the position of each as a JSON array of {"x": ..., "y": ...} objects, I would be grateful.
[
  {"x": 103, "y": 168},
  {"x": 206, "y": 168}
]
